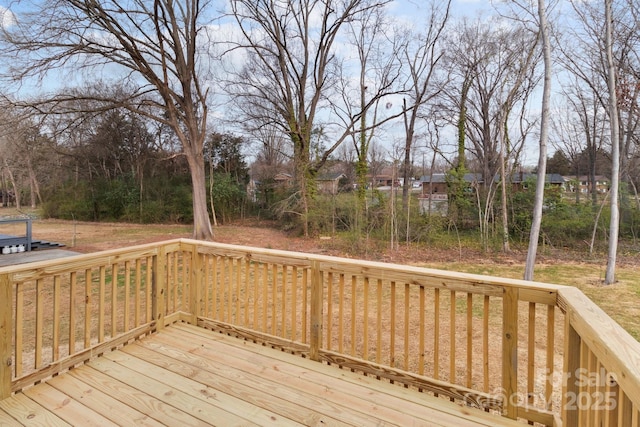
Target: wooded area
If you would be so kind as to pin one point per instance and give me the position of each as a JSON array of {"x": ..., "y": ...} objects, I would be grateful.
[{"x": 163, "y": 111}]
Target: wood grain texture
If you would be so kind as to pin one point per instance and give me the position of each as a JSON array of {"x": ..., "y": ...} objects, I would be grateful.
[{"x": 190, "y": 376}]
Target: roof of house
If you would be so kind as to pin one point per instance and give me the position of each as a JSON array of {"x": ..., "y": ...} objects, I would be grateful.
[
  {"x": 442, "y": 178},
  {"x": 332, "y": 176},
  {"x": 552, "y": 178}
]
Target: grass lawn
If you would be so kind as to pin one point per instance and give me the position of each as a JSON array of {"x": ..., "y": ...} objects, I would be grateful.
[{"x": 621, "y": 300}]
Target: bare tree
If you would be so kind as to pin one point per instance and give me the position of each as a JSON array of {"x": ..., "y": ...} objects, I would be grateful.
[
  {"x": 492, "y": 78},
  {"x": 615, "y": 148},
  {"x": 378, "y": 68},
  {"x": 421, "y": 58},
  {"x": 544, "y": 135},
  {"x": 291, "y": 73},
  {"x": 24, "y": 155},
  {"x": 152, "y": 45}
]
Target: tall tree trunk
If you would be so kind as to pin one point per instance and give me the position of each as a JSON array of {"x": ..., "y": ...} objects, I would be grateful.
[
  {"x": 409, "y": 129},
  {"x": 202, "y": 229},
  {"x": 16, "y": 191},
  {"x": 503, "y": 183},
  {"x": 33, "y": 185},
  {"x": 534, "y": 234},
  {"x": 615, "y": 150}
]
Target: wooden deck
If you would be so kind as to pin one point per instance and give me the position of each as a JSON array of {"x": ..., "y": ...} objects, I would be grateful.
[{"x": 188, "y": 376}]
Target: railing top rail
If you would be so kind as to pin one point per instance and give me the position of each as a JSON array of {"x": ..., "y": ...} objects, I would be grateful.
[
  {"x": 34, "y": 270},
  {"x": 474, "y": 283},
  {"x": 614, "y": 347}
]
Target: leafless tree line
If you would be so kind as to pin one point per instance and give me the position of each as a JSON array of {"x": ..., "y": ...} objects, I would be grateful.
[{"x": 310, "y": 80}]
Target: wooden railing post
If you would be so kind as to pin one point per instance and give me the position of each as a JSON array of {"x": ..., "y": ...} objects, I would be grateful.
[
  {"x": 195, "y": 285},
  {"x": 316, "y": 312},
  {"x": 159, "y": 285},
  {"x": 6, "y": 329},
  {"x": 510, "y": 351},
  {"x": 570, "y": 386}
]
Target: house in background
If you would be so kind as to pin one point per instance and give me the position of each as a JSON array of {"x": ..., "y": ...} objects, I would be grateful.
[
  {"x": 283, "y": 179},
  {"x": 522, "y": 181},
  {"x": 582, "y": 184},
  {"x": 435, "y": 185},
  {"x": 434, "y": 195},
  {"x": 330, "y": 183}
]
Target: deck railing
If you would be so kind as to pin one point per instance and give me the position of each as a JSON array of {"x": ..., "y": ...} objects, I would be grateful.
[{"x": 531, "y": 351}]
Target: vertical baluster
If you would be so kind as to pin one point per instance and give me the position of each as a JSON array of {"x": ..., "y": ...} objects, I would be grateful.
[
  {"x": 365, "y": 320},
  {"x": 114, "y": 299},
  {"x": 137, "y": 300},
  {"x": 551, "y": 349},
  {"x": 55, "y": 341},
  {"x": 283, "y": 307},
  {"x": 147, "y": 288},
  {"x": 175, "y": 282},
  {"x": 223, "y": 287},
  {"x": 274, "y": 297},
  {"x": 214, "y": 288},
  {"x": 127, "y": 295},
  {"x": 265, "y": 295},
  {"x": 329, "y": 310},
  {"x": 531, "y": 353},
  {"x": 469, "y": 339},
  {"x": 39, "y": 322},
  {"x": 354, "y": 299},
  {"x": 256, "y": 287},
  {"x": 230, "y": 295},
  {"x": 183, "y": 292},
  {"x": 101, "y": 302},
  {"x": 407, "y": 326},
  {"x": 206, "y": 283},
  {"x": 73, "y": 282},
  {"x": 392, "y": 330},
  {"x": 436, "y": 333},
  {"x": 305, "y": 305},
  {"x": 421, "y": 329},
  {"x": 19, "y": 323},
  {"x": 88, "y": 306},
  {"x": 341, "y": 314},
  {"x": 452, "y": 338},
  {"x": 294, "y": 303},
  {"x": 485, "y": 343},
  {"x": 247, "y": 280},
  {"x": 237, "y": 318},
  {"x": 379, "y": 321}
]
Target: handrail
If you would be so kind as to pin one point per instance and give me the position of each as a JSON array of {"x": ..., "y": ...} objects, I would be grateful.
[
  {"x": 602, "y": 366},
  {"x": 503, "y": 345}
]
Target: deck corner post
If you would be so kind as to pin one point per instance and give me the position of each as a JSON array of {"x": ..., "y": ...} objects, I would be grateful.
[
  {"x": 6, "y": 330},
  {"x": 571, "y": 368},
  {"x": 510, "y": 351},
  {"x": 316, "y": 312},
  {"x": 159, "y": 286}
]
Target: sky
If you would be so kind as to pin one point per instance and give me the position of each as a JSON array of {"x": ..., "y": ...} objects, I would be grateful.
[{"x": 407, "y": 10}]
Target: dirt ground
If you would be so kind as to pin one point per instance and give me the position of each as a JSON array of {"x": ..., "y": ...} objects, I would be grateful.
[{"x": 86, "y": 237}]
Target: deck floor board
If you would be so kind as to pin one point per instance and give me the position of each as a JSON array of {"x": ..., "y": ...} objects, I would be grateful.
[{"x": 189, "y": 376}]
